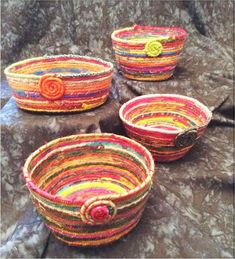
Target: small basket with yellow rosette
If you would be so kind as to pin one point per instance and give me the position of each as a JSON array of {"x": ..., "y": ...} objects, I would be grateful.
[
  {"x": 90, "y": 189},
  {"x": 148, "y": 53},
  {"x": 63, "y": 83}
]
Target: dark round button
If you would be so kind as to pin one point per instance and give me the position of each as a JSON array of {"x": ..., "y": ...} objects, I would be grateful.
[{"x": 186, "y": 138}]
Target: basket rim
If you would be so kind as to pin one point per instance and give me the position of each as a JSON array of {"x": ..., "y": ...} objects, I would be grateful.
[
  {"x": 31, "y": 185},
  {"x": 176, "y": 131},
  {"x": 134, "y": 42},
  {"x": 8, "y": 72}
]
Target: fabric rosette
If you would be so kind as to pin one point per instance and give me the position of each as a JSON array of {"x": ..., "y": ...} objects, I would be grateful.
[
  {"x": 51, "y": 87},
  {"x": 153, "y": 48}
]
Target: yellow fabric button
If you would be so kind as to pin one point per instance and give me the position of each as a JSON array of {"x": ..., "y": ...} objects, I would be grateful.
[{"x": 153, "y": 48}]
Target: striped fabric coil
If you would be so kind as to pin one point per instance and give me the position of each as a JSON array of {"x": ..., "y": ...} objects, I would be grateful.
[
  {"x": 167, "y": 124},
  {"x": 90, "y": 189},
  {"x": 63, "y": 83},
  {"x": 148, "y": 53}
]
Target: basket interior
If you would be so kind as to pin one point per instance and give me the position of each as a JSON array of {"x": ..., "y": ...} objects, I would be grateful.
[
  {"x": 82, "y": 172},
  {"x": 164, "y": 112},
  {"x": 158, "y": 33},
  {"x": 60, "y": 64}
]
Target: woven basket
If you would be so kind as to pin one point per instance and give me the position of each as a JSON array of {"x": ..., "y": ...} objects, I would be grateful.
[
  {"x": 167, "y": 124},
  {"x": 148, "y": 53},
  {"x": 90, "y": 189},
  {"x": 62, "y": 83}
]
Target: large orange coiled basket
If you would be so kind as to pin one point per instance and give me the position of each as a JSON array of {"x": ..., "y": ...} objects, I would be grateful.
[{"x": 63, "y": 83}]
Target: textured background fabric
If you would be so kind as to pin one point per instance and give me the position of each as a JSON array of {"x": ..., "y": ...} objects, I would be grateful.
[
  {"x": 189, "y": 213},
  {"x": 34, "y": 28}
]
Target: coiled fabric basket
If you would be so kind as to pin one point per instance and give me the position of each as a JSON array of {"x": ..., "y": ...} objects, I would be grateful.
[
  {"x": 148, "y": 53},
  {"x": 90, "y": 189},
  {"x": 61, "y": 83},
  {"x": 167, "y": 124}
]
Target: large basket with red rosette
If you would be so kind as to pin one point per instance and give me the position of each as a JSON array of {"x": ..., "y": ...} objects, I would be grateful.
[
  {"x": 148, "y": 53},
  {"x": 90, "y": 189},
  {"x": 60, "y": 83}
]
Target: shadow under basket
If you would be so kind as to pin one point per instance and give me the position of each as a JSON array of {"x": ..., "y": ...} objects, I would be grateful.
[
  {"x": 167, "y": 124},
  {"x": 63, "y": 83},
  {"x": 90, "y": 189},
  {"x": 148, "y": 53}
]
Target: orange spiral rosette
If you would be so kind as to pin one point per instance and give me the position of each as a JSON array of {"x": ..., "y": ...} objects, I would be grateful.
[{"x": 51, "y": 87}]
